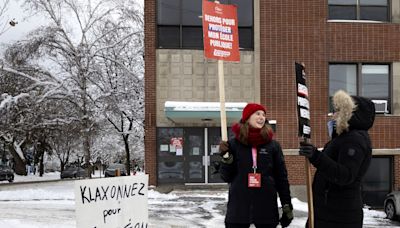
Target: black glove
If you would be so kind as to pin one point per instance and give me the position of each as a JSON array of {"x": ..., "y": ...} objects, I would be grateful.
[
  {"x": 223, "y": 148},
  {"x": 287, "y": 215},
  {"x": 216, "y": 166},
  {"x": 227, "y": 157},
  {"x": 307, "y": 149}
]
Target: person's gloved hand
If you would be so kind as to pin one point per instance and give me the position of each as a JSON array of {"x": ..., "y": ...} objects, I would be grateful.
[
  {"x": 307, "y": 149},
  {"x": 216, "y": 166},
  {"x": 227, "y": 157},
  {"x": 287, "y": 215},
  {"x": 224, "y": 149}
]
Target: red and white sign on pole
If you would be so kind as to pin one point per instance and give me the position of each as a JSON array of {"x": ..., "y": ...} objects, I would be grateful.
[
  {"x": 220, "y": 31},
  {"x": 221, "y": 41}
]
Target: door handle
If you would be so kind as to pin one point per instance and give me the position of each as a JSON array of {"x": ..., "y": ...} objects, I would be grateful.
[{"x": 206, "y": 160}]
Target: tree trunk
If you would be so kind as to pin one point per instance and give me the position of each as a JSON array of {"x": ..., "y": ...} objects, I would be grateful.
[
  {"x": 41, "y": 166},
  {"x": 20, "y": 165},
  {"x": 86, "y": 123},
  {"x": 128, "y": 157},
  {"x": 62, "y": 165},
  {"x": 40, "y": 150},
  {"x": 86, "y": 147}
]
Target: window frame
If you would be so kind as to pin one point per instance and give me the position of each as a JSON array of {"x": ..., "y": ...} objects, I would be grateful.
[
  {"x": 359, "y": 81},
  {"x": 358, "y": 6},
  {"x": 181, "y": 27}
]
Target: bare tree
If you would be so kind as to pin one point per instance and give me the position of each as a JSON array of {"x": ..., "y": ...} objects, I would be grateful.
[
  {"x": 86, "y": 42},
  {"x": 64, "y": 142},
  {"x": 121, "y": 82}
]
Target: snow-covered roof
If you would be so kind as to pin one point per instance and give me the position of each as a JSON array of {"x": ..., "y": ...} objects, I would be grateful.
[
  {"x": 199, "y": 112},
  {"x": 203, "y": 106}
]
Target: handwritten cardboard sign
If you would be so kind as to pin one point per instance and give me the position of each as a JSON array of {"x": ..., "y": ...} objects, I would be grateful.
[
  {"x": 220, "y": 31},
  {"x": 118, "y": 202}
]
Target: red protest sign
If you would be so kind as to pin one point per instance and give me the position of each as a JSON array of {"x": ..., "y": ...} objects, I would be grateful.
[
  {"x": 177, "y": 142},
  {"x": 220, "y": 31}
]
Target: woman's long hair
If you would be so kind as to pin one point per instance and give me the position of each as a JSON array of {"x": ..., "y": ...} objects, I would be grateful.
[{"x": 244, "y": 128}]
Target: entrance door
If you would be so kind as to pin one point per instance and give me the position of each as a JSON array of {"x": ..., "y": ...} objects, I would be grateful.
[
  {"x": 170, "y": 155},
  {"x": 193, "y": 152},
  {"x": 182, "y": 157}
]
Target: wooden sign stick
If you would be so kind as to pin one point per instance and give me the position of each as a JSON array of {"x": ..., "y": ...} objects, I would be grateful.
[
  {"x": 221, "y": 80},
  {"x": 309, "y": 192}
]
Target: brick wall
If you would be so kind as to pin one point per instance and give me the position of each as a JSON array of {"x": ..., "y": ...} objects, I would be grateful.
[
  {"x": 150, "y": 90},
  {"x": 363, "y": 42},
  {"x": 300, "y": 32},
  {"x": 396, "y": 171},
  {"x": 292, "y": 32},
  {"x": 296, "y": 169}
]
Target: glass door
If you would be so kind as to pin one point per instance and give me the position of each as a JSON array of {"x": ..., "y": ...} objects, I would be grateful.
[
  {"x": 170, "y": 155},
  {"x": 193, "y": 152}
]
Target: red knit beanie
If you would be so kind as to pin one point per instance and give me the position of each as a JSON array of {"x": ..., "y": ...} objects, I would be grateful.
[{"x": 250, "y": 109}]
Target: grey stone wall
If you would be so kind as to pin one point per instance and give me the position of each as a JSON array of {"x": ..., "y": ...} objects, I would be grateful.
[
  {"x": 395, "y": 8},
  {"x": 185, "y": 75}
]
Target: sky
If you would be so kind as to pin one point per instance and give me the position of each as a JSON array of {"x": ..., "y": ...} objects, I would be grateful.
[
  {"x": 26, "y": 21},
  {"x": 52, "y": 204}
]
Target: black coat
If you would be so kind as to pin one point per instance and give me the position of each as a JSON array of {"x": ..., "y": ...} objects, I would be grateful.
[
  {"x": 337, "y": 182},
  {"x": 340, "y": 169},
  {"x": 255, "y": 205}
]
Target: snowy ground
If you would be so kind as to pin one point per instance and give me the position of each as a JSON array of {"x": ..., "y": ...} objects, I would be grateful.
[{"x": 52, "y": 204}]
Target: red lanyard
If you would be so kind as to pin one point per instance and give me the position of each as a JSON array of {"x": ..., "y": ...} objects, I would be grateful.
[{"x": 254, "y": 156}]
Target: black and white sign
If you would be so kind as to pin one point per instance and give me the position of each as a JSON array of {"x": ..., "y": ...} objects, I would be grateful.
[
  {"x": 303, "y": 104},
  {"x": 118, "y": 202}
]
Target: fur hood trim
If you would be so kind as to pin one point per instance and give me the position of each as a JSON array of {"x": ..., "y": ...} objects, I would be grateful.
[{"x": 344, "y": 106}]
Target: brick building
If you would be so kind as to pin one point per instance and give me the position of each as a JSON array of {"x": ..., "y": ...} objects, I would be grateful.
[{"x": 350, "y": 45}]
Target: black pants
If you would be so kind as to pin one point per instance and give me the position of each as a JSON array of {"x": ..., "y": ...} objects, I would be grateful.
[{"x": 239, "y": 225}]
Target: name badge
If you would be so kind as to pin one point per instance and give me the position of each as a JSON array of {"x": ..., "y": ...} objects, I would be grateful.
[{"x": 254, "y": 180}]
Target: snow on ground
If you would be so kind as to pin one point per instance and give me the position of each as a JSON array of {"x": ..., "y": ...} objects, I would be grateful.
[
  {"x": 45, "y": 177},
  {"x": 52, "y": 204}
]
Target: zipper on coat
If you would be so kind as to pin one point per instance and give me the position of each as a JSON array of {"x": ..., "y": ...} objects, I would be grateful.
[
  {"x": 326, "y": 196},
  {"x": 251, "y": 217}
]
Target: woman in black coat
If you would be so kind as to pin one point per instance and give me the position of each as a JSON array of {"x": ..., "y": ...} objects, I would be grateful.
[
  {"x": 342, "y": 164},
  {"x": 254, "y": 166}
]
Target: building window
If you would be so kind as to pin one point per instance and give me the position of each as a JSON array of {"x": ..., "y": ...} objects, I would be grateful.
[
  {"x": 378, "y": 181},
  {"x": 367, "y": 80},
  {"x": 179, "y": 23},
  {"x": 375, "y": 10}
]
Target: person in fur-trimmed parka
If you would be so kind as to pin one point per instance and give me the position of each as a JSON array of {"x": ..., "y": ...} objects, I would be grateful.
[{"x": 342, "y": 163}]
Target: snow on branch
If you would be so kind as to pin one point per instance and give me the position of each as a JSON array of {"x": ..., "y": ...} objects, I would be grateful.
[
  {"x": 118, "y": 63},
  {"x": 7, "y": 99},
  {"x": 114, "y": 44}
]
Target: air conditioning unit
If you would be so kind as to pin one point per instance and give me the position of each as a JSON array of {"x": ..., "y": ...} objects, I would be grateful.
[{"x": 380, "y": 106}]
